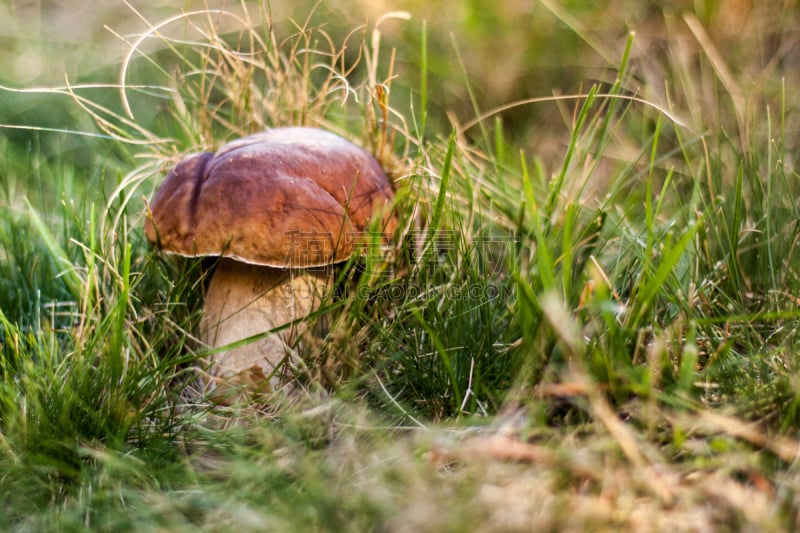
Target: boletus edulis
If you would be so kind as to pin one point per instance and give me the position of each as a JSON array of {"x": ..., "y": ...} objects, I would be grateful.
[{"x": 276, "y": 207}]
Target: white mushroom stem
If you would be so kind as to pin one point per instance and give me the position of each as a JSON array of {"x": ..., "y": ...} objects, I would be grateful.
[{"x": 245, "y": 300}]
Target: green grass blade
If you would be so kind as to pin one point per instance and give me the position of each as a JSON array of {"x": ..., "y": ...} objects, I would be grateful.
[
  {"x": 441, "y": 198},
  {"x": 69, "y": 273},
  {"x": 544, "y": 257}
]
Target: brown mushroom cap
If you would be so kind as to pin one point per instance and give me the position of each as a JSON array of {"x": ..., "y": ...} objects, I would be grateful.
[{"x": 287, "y": 197}]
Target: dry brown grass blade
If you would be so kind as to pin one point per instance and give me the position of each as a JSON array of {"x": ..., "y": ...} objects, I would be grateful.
[
  {"x": 380, "y": 91},
  {"x": 785, "y": 448},
  {"x": 497, "y": 448},
  {"x": 569, "y": 333},
  {"x": 720, "y": 67},
  {"x": 563, "y": 14},
  {"x": 577, "y": 98},
  {"x": 111, "y": 124},
  {"x": 154, "y": 31}
]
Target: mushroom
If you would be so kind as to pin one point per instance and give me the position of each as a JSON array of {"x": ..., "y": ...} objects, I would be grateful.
[{"x": 278, "y": 207}]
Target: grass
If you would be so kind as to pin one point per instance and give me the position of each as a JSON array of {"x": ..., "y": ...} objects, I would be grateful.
[{"x": 589, "y": 323}]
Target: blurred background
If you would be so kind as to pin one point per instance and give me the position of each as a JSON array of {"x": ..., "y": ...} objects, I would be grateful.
[{"x": 502, "y": 51}]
